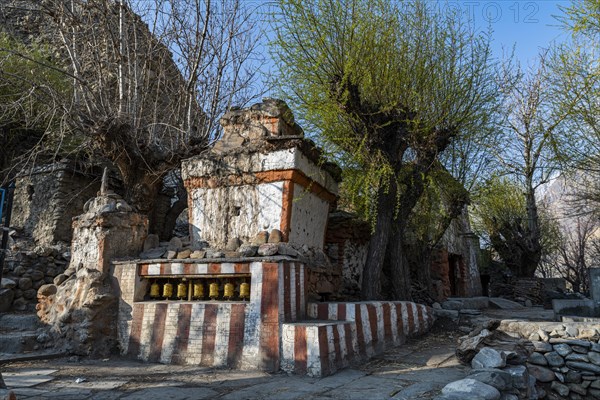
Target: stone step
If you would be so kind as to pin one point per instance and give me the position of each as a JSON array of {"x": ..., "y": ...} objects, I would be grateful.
[
  {"x": 18, "y": 342},
  {"x": 19, "y": 322},
  {"x": 32, "y": 355}
]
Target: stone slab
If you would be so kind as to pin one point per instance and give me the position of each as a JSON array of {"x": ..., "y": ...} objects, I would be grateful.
[
  {"x": 172, "y": 393},
  {"x": 504, "y": 304},
  {"x": 27, "y": 378}
]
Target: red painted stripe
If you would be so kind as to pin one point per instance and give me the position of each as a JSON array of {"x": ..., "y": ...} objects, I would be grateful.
[
  {"x": 241, "y": 268},
  {"x": 300, "y": 350},
  {"x": 189, "y": 269},
  {"x": 322, "y": 311},
  {"x": 371, "y": 310},
  {"x": 236, "y": 335},
  {"x": 387, "y": 322},
  {"x": 158, "y": 332},
  {"x": 341, "y": 312},
  {"x": 349, "y": 336},
  {"x": 144, "y": 269},
  {"x": 269, "y": 337},
  {"x": 299, "y": 287},
  {"x": 400, "y": 320},
  {"x": 209, "y": 332},
  {"x": 287, "y": 300},
  {"x": 411, "y": 319},
  {"x": 214, "y": 268},
  {"x": 421, "y": 327},
  {"x": 337, "y": 347},
  {"x": 136, "y": 329},
  {"x": 324, "y": 351},
  {"x": 359, "y": 331},
  {"x": 183, "y": 333}
]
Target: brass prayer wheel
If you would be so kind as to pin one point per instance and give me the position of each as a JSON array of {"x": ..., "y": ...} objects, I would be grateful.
[
  {"x": 198, "y": 290},
  {"x": 213, "y": 290},
  {"x": 167, "y": 290},
  {"x": 245, "y": 290},
  {"x": 228, "y": 291},
  {"x": 182, "y": 290},
  {"x": 155, "y": 290}
]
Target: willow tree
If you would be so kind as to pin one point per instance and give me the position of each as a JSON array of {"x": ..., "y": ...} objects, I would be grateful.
[{"x": 389, "y": 85}]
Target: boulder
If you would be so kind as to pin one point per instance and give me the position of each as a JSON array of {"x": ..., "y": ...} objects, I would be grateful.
[
  {"x": 581, "y": 366},
  {"x": 497, "y": 378},
  {"x": 268, "y": 249},
  {"x": 248, "y": 250},
  {"x": 154, "y": 253},
  {"x": 488, "y": 358},
  {"x": 6, "y": 298},
  {"x": 542, "y": 347},
  {"x": 196, "y": 254},
  {"x": 25, "y": 283},
  {"x": 540, "y": 373},
  {"x": 594, "y": 357},
  {"x": 60, "y": 279},
  {"x": 152, "y": 241},
  {"x": 471, "y": 388},
  {"x": 538, "y": 359},
  {"x": 554, "y": 359},
  {"x": 175, "y": 244},
  {"x": 563, "y": 349},
  {"x": 261, "y": 238},
  {"x": 233, "y": 244},
  {"x": 275, "y": 236},
  {"x": 184, "y": 254},
  {"x": 8, "y": 284},
  {"x": 47, "y": 290},
  {"x": 562, "y": 390}
]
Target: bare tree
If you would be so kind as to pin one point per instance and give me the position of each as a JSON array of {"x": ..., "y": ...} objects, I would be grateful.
[{"x": 151, "y": 78}]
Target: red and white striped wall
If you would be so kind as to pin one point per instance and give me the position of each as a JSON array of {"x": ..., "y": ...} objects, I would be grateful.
[
  {"x": 212, "y": 333},
  {"x": 345, "y": 333}
]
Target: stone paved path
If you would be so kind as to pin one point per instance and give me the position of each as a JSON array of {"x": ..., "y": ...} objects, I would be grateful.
[{"x": 416, "y": 370}]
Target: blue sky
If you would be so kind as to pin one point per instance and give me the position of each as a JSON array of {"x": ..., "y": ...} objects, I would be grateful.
[{"x": 529, "y": 25}]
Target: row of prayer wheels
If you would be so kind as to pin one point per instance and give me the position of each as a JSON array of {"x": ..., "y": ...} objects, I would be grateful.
[{"x": 200, "y": 289}]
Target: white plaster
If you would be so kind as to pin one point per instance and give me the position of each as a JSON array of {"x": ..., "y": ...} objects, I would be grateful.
[
  {"x": 330, "y": 347},
  {"x": 222, "y": 335},
  {"x": 404, "y": 318},
  {"x": 170, "y": 334},
  {"x": 147, "y": 329},
  {"x": 252, "y": 328},
  {"x": 313, "y": 361},
  {"x": 332, "y": 311},
  {"x": 416, "y": 319},
  {"x": 259, "y": 162},
  {"x": 364, "y": 316},
  {"x": 380, "y": 324},
  {"x": 394, "y": 322},
  {"x": 195, "y": 337},
  {"x": 288, "y": 333},
  {"x": 177, "y": 268},
  {"x": 227, "y": 268},
  {"x": 154, "y": 269},
  {"x": 309, "y": 218},
  {"x": 343, "y": 347},
  {"x": 236, "y": 211}
]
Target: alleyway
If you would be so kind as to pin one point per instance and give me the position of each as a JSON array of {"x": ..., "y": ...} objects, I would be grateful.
[{"x": 418, "y": 369}]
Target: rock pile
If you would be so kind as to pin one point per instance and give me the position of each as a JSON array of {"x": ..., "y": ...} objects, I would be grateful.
[
  {"x": 568, "y": 368},
  {"x": 27, "y": 270},
  {"x": 495, "y": 375}
]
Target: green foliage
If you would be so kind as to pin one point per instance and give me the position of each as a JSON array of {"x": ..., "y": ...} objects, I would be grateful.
[
  {"x": 387, "y": 84},
  {"x": 499, "y": 217}
]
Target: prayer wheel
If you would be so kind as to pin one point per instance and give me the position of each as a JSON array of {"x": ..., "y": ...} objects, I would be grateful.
[
  {"x": 245, "y": 290},
  {"x": 168, "y": 290},
  {"x": 198, "y": 290},
  {"x": 213, "y": 290},
  {"x": 182, "y": 290},
  {"x": 228, "y": 291},
  {"x": 155, "y": 290}
]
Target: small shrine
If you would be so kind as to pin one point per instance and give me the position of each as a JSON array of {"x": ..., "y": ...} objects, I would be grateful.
[{"x": 238, "y": 296}]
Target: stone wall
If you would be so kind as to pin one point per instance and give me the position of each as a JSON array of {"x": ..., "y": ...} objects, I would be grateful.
[{"x": 49, "y": 197}]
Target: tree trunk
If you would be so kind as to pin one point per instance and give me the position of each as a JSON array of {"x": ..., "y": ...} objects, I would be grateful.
[
  {"x": 534, "y": 233},
  {"x": 399, "y": 266},
  {"x": 371, "y": 278}
]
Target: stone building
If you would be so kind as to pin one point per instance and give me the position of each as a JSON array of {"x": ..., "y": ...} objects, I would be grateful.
[{"x": 48, "y": 197}]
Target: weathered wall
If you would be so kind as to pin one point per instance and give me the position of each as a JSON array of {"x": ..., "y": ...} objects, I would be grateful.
[
  {"x": 48, "y": 198},
  {"x": 215, "y": 333},
  {"x": 235, "y": 211},
  {"x": 308, "y": 219}
]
